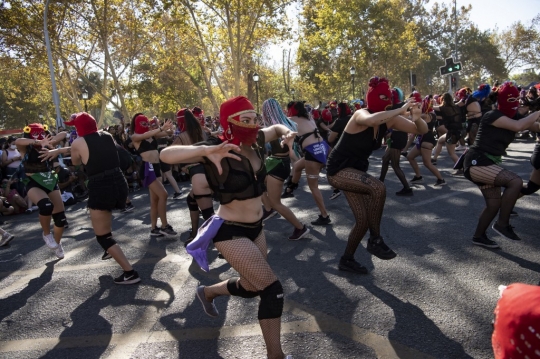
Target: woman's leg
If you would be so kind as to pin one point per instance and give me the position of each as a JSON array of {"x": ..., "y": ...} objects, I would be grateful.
[
  {"x": 411, "y": 158},
  {"x": 312, "y": 173},
  {"x": 385, "y": 164},
  {"x": 154, "y": 200},
  {"x": 440, "y": 142},
  {"x": 274, "y": 187},
  {"x": 58, "y": 215},
  {"x": 395, "y": 155},
  {"x": 426, "y": 159},
  {"x": 161, "y": 195},
  {"x": 102, "y": 224},
  {"x": 451, "y": 148},
  {"x": 36, "y": 195},
  {"x": 172, "y": 181},
  {"x": 248, "y": 258}
]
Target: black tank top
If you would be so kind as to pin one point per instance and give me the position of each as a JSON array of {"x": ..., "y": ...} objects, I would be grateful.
[
  {"x": 32, "y": 163},
  {"x": 353, "y": 150},
  {"x": 451, "y": 117},
  {"x": 102, "y": 152},
  {"x": 491, "y": 139}
]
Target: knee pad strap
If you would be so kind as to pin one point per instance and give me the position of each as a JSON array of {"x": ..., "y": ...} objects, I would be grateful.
[
  {"x": 271, "y": 305},
  {"x": 45, "y": 207},
  {"x": 236, "y": 289},
  {"x": 207, "y": 213},
  {"x": 59, "y": 219},
  {"x": 199, "y": 196},
  {"x": 106, "y": 241},
  {"x": 192, "y": 204}
]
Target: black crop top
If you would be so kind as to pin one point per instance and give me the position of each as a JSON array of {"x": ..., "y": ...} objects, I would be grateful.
[
  {"x": 490, "y": 139},
  {"x": 238, "y": 180},
  {"x": 353, "y": 150},
  {"x": 146, "y": 146},
  {"x": 102, "y": 151}
]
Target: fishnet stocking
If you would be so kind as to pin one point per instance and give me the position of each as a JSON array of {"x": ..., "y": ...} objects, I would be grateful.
[
  {"x": 494, "y": 178},
  {"x": 366, "y": 196},
  {"x": 248, "y": 258},
  {"x": 392, "y": 156}
]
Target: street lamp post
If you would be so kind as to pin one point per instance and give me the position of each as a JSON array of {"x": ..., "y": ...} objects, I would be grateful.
[
  {"x": 85, "y": 97},
  {"x": 292, "y": 93},
  {"x": 40, "y": 118},
  {"x": 352, "y": 71},
  {"x": 256, "y": 80}
]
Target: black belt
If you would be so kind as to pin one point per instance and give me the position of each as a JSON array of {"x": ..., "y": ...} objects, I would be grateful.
[{"x": 105, "y": 173}]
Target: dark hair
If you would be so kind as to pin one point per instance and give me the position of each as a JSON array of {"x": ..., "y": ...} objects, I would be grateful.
[
  {"x": 342, "y": 107},
  {"x": 193, "y": 127},
  {"x": 299, "y": 107},
  {"x": 448, "y": 100}
]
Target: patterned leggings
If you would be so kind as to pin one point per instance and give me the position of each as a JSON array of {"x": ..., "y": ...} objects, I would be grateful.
[{"x": 366, "y": 196}]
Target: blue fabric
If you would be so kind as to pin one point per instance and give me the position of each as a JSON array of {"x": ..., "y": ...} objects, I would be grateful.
[
  {"x": 197, "y": 248},
  {"x": 319, "y": 150}
]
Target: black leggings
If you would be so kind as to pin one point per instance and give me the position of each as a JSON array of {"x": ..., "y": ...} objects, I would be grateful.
[
  {"x": 366, "y": 196},
  {"x": 392, "y": 156}
]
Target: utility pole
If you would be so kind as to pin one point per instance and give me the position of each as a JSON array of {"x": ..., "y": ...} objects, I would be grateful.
[{"x": 56, "y": 98}]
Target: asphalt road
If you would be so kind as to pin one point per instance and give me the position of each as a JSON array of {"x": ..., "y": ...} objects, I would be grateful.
[{"x": 434, "y": 300}]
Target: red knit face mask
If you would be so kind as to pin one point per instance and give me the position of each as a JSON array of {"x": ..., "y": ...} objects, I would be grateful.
[
  {"x": 508, "y": 99},
  {"x": 142, "y": 124},
  {"x": 242, "y": 133}
]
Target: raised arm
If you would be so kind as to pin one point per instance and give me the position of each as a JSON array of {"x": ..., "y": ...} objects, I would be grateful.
[
  {"x": 277, "y": 131},
  {"x": 413, "y": 125},
  {"x": 364, "y": 118},
  {"x": 519, "y": 125}
]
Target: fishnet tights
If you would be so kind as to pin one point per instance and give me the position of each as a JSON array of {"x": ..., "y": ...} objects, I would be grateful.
[
  {"x": 248, "y": 258},
  {"x": 392, "y": 156},
  {"x": 494, "y": 178},
  {"x": 366, "y": 196}
]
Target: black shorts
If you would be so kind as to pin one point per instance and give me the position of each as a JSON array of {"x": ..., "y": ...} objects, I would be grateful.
[
  {"x": 429, "y": 138},
  {"x": 196, "y": 169},
  {"x": 309, "y": 157},
  {"x": 476, "y": 158},
  {"x": 535, "y": 158},
  {"x": 399, "y": 140},
  {"x": 165, "y": 167},
  {"x": 283, "y": 170},
  {"x": 33, "y": 184},
  {"x": 472, "y": 121},
  {"x": 229, "y": 229},
  {"x": 453, "y": 136},
  {"x": 107, "y": 191}
]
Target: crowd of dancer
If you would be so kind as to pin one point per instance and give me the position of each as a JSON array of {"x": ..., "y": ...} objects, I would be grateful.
[{"x": 250, "y": 162}]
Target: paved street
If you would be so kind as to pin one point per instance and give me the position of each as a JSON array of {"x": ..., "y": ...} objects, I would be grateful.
[{"x": 435, "y": 300}]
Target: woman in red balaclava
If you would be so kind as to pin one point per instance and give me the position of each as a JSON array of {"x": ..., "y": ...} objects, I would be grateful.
[
  {"x": 144, "y": 141},
  {"x": 424, "y": 143},
  {"x": 234, "y": 165},
  {"x": 42, "y": 186},
  {"x": 348, "y": 163},
  {"x": 481, "y": 164}
]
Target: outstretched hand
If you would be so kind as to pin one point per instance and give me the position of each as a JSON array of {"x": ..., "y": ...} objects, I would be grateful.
[
  {"x": 45, "y": 142},
  {"x": 288, "y": 139},
  {"x": 47, "y": 155},
  {"x": 219, "y": 152},
  {"x": 416, "y": 111},
  {"x": 167, "y": 125}
]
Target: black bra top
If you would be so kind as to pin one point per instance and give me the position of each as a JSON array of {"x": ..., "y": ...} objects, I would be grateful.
[
  {"x": 238, "y": 181},
  {"x": 301, "y": 139},
  {"x": 146, "y": 146}
]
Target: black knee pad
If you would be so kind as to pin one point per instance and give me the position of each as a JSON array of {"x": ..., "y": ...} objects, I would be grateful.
[
  {"x": 106, "y": 241},
  {"x": 236, "y": 289},
  {"x": 271, "y": 305},
  {"x": 199, "y": 196},
  {"x": 192, "y": 204},
  {"x": 207, "y": 213},
  {"x": 530, "y": 189},
  {"x": 59, "y": 219},
  {"x": 45, "y": 207}
]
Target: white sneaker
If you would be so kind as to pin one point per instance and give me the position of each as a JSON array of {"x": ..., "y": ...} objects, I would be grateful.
[
  {"x": 49, "y": 241},
  {"x": 6, "y": 238},
  {"x": 59, "y": 251}
]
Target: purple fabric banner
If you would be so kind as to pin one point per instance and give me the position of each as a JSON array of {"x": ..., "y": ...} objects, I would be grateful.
[{"x": 197, "y": 248}]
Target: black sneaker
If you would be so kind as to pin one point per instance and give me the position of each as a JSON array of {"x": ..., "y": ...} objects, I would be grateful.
[
  {"x": 434, "y": 162},
  {"x": 514, "y": 214},
  {"x": 286, "y": 193},
  {"x": 106, "y": 256},
  {"x": 484, "y": 241},
  {"x": 335, "y": 194},
  {"x": 404, "y": 153},
  {"x": 128, "y": 278},
  {"x": 405, "y": 192},
  {"x": 440, "y": 182},
  {"x": 176, "y": 195},
  {"x": 379, "y": 249},
  {"x": 322, "y": 221},
  {"x": 168, "y": 231},
  {"x": 507, "y": 232},
  {"x": 155, "y": 232},
  {"x": 350, "y": 265},
  {"x": 417, "y": 179},
  {"x": 268, "y": 214},
  {"x": 299, "y": 233},
  {"x": 458, "y": 173},
  {"x": 128, "y": 208}
]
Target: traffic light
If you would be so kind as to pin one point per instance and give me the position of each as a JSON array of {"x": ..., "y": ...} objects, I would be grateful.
[
  {"x": 454, "y": 82},
  {"x": 450, "y": 67}
]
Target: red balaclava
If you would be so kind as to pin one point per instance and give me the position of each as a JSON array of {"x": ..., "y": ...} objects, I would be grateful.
[
  {"x": 84, "y": 123},
  {"x": 315, "y": 114},
  {"x": 508, "y": 99},
  {"x": 379, "y": 96},
  {"x": 234, "y": 131},
  {"x": 142, "y": 124},
  {"x": 463, "y": 93},
  {"x": 181, "y": 119},
  {"x": 292, "y": 111},
  {"x": 35, "y": 131},
  {"x": 427, "y": 105},
  {"x": 516, "y": 329},
  {"x": 417, "y": 97},
  {"x": 199, "y": 113},
  {"x": 326, "y": 115},
  {"x": 357, "y": 106}
]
